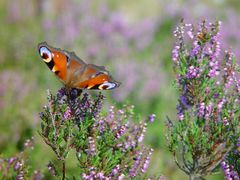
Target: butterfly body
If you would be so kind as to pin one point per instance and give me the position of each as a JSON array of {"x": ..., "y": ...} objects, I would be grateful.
[{"x": 74, "y": 72}]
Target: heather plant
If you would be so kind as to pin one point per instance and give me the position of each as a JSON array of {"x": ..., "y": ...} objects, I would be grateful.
[
  {"x": 107, "y": 145},
  {"x": 18, "y": 166},
  {"x": 207, "y": 126}
]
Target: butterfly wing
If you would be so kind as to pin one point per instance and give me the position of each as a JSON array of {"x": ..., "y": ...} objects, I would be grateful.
[{"x": 96, "y": 77}]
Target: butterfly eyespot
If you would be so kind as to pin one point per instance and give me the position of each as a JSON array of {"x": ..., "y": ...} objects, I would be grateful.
[
  {"x": 45, "y": 54},
  {"x": 107, "y": 85}
]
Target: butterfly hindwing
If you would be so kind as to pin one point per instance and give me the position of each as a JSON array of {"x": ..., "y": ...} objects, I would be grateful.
[{"x": 97, "y": 78}]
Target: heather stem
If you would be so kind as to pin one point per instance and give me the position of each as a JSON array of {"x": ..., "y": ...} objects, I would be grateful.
[
  {"x": 195, "y": 176},
  {"x": 191, "y": 177},
  {"x": 63, "y": 170}
]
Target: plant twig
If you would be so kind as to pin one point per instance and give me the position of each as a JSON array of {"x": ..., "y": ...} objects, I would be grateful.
[{"x": 63, "y": 170}]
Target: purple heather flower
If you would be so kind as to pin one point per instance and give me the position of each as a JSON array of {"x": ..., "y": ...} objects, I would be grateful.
[
  {"x": 61, "y": 92},
  {"x": 29, "y": 143},
  {"x": 121, "y": 177},
  {"x": 92, "y": 147},
  {"x": 101, "y": 123},
  {"x": 120, "y": 112},
  {"x": 121, "y": 130},
  {"x": 180, "y": 116},
  {"x": 152, "y": 117},
  {"x": 111, "y": 114},
  {"x": 238, "y": 142},
  {"x": 85, "y": 103},
  {"x": 214, "y": 53},
  {"x": 52, "y": 169},
  {"x": 184, "y": 101},
  {"x": 92, "y": 173},
  {"x": 141, "y": 136},
  {"x": 146, "y": 162},
  {"x": 229, "y": 173},
  {"x": 229, "y": 83},
  {"x": 216, "y": 95},
  {"x": 17, "y": 165},
  {"x": 195, "y": 49},
  {"x": 133, "y": 170},
  {"x": 12, "y": 160},
  {"x": 175, "y": 53},
  {"x": 67, "y": 113},
  {"x": 213, "y": 72},
  {"x": 115, "y": 170},
  {"x": 217, "y": 49},
  {"x": 85, "y": 176},
  {"x": 225, "y": 121},
  {"x": 119, "y": 145},
  {"x": 192, "y": 72},
  {"x": 133, "y": 143},
  {"x": 207, "y": 90},
  {"x": 179, "y": 32},
  {"x": 208, "y": 110},
  {"x": 127, "y": 145},
  {"x": 98, "y": 104},
  {"x": 20, "y": 176},
  {"x": 37, "y": 175},
  {"x": 201, "y": 109},
  {"x": 100, "y": 176},
  {"x": 220, "y": 104},
  {"x": 190, "y": 34}
]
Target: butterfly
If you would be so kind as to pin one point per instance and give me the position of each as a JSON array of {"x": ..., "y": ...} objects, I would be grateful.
[{"x": 74, "y": 72}]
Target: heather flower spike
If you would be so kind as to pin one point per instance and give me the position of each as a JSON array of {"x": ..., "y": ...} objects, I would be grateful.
[
  {"x": 229, "y": 172},
  {"x": 208, "y": 108},
  {"x": 106, "y": 146}
]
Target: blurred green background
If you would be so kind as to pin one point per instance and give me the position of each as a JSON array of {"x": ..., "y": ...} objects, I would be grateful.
[{"x": 133, "y": 39}]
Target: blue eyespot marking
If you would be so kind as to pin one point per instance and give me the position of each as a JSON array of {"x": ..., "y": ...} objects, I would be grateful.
[{"x": 45, "y": 54}]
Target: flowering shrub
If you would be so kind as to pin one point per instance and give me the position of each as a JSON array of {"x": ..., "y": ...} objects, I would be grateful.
[
  {"x": 107, "y": 145},
  {"x": 208, "y": 108},
  {"x": 18, "y": 167}
]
